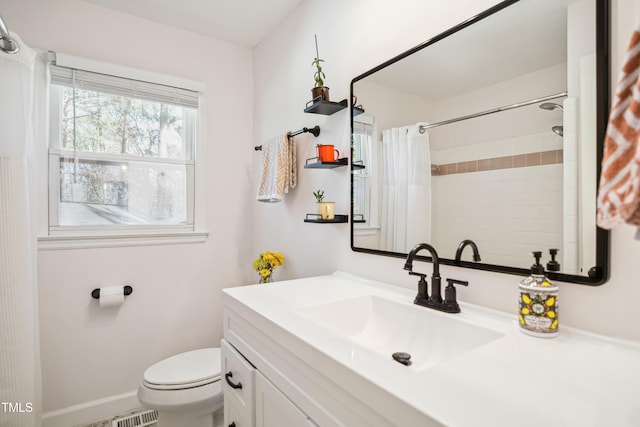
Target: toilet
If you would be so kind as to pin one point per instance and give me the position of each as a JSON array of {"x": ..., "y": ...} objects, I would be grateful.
[{"x": 185, "y": 389}]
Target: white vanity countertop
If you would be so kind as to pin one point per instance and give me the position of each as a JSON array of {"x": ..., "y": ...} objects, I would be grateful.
[{"x": 575, "y": 379}]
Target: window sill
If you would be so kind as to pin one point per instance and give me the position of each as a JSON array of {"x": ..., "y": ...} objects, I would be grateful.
[
  {"x": 49, "y": 243},
  {"x": 364, "y": 230}
]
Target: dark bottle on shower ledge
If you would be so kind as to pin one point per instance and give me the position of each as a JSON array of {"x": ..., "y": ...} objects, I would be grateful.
[{"x": 538, "y": 303}]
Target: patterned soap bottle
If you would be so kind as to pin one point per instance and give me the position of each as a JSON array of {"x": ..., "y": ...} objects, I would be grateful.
[{"x": 538, "y": 314}]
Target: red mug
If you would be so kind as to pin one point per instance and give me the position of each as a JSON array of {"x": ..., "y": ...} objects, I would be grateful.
[{"x": 327, "y": 153}]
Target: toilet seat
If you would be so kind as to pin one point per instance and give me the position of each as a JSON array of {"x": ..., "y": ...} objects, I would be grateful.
[{"x": 194, "y": 368}]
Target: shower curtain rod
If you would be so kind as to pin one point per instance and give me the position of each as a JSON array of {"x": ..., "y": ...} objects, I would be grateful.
[
  {"x": 423, "y": 128},
  {"x": 315, "y": 131},
  {"x": 7, "y": 44}
]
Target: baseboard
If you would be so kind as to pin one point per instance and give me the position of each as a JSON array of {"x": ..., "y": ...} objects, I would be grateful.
[{"x": 91, "y": 411}]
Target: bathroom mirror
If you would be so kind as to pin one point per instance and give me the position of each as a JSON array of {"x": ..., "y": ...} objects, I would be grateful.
[{"x": 491, "y": 131}]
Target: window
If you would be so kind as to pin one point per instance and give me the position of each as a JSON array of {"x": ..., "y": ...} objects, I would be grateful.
[
  {"x": 364, "y": 187},
  {"x": 121, "y": 155}
]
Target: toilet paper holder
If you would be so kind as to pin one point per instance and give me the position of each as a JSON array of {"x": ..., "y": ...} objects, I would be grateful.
[{"x": 128, "y": 290}]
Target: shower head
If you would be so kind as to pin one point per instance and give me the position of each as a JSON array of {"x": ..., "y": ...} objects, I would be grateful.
[
  {"x": 558, "y": 130},
  {"x": 551, "y": 106}
]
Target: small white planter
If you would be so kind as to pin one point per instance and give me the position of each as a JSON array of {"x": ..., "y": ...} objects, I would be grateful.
[{"x": 327, "y": 210}]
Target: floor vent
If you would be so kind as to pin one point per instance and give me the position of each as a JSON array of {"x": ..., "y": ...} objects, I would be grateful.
[{"x": 139, "y": 419}]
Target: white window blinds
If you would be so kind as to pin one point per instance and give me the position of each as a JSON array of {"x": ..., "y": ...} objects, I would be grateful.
[
  {"x": 92, "y": 81},
  {"x": 362, "y": 128}
]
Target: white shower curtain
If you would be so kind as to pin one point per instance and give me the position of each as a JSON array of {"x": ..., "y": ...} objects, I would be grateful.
[
  {"x": 20, "y": 356},
  {"x": 406, "y": 189}
]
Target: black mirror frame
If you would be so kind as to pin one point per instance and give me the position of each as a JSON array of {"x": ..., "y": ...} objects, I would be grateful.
[{"x": 598, "y": 274}]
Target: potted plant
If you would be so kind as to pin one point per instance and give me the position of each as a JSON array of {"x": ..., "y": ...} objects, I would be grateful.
[
  {"x": 319, "y": 92},
  {"x": 326, "y": 210}
]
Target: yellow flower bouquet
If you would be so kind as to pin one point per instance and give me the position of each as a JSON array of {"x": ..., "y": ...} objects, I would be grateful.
[{"x": 266, "y": 263}]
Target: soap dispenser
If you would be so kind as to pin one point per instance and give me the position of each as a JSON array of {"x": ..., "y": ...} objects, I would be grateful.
[{"x": 538, "y": 315}]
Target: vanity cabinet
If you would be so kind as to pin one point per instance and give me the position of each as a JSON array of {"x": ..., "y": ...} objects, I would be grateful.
[
  {"x": 251, "y": 400},
  {"x": 321, "y": 349},
  {"x": 274, "y": 409},
  {"x": 234, "y": 416},
  {"x": 291, "y": 383}
]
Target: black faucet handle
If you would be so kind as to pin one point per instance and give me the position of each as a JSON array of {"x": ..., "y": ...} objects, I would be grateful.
[
  {"x": 452, "y": 282},
  {"x": 450, "y": 300},
  {"x": 423, "y": 293}
]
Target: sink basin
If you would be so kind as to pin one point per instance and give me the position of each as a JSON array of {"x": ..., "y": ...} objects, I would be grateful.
[{"x": 386, "y": 327}]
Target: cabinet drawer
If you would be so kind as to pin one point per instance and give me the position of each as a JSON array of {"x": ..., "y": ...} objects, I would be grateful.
[
  {"x": 238, "y": 381},
  {"x": 235, "y": 416}
]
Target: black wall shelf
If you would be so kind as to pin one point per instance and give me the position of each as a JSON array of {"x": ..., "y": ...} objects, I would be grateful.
[
  {"x": 358, "y": 164},
  {"x": 326, "y": 165},
  {"x": 325, "y": 107},
  {"x": 358, "y": 218},
  {"x": 317, "y": 218}
]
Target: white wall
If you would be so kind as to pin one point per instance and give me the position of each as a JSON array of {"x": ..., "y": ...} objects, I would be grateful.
[
  {"x": 508, "y": 124},
  {"x": 354, "y": 36},
  {"x": 391, "y": 107},
  {"x": 89, "y": 353}
]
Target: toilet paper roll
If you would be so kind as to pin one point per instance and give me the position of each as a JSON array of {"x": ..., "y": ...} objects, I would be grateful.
[{"x": 111, "y": 296}]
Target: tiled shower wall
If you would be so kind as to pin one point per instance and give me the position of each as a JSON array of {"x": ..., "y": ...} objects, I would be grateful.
[{"x": 505, "y": 195}]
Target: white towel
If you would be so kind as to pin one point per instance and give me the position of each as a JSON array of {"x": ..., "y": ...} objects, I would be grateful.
[
  {"x": 278, "y": 168},
  {"x": 619, "y": 192}
]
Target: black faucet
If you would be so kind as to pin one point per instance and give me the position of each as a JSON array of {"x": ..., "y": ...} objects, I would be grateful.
[
  {"x": 449, "y": 305},
  {"x": 462, "y": 245},
  {"x": 423, "y": 295}
]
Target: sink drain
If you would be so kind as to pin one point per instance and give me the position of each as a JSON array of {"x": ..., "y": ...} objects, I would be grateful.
[{"x": 402, "y": 357}]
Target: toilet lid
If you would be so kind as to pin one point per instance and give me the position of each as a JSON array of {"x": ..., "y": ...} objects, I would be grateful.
[{"x": 193, "y": 368}]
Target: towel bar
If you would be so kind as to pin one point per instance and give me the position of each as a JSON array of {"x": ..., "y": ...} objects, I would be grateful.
[{"x": 315, "y": 131}]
